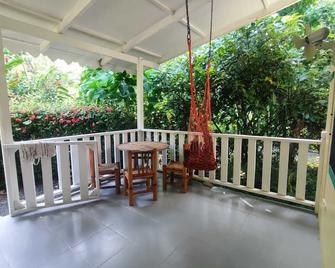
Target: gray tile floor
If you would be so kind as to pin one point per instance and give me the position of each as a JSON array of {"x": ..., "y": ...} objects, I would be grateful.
[{"x": 200, "y": 229}]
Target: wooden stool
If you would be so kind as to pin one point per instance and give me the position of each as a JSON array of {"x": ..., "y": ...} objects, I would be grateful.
[
  {"x": 142, "y": 168},
  {"x": 179, "y": 168},
  {"x": 106, "y": 172}
]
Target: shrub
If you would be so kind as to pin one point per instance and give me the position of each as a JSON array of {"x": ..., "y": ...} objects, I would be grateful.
[{"x": 36, "y": 125}]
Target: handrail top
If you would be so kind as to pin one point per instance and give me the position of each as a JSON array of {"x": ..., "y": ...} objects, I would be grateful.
[
  {"x": 249, "y": 137},
  {"x": 15, "y": 145}
]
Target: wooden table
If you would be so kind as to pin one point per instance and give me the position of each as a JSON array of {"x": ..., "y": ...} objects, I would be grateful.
[{"x": 142, "y": 146}]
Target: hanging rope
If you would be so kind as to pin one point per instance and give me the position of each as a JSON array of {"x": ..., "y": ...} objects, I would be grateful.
[{"x": 201, "y": 149}]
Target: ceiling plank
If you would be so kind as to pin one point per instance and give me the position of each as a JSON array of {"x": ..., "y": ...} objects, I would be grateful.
[
  {"x": 170, "y": 11},
  {"x": 51, "y": 36},
  {"x": 156, "y": 27},
  {"x": 79, "y": 8}
]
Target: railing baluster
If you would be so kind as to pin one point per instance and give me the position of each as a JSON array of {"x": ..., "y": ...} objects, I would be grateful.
[
  {"x": 83, "y": 171},
  {"x": 116, "y": 138},
  {"x": 108, "y": 149},
  {"x": 302, "y": 171},
  {"x": 212, "y": 173},
  {"x": 237, "y": 161},
  {"x": 74, "y": 163},
  {"x": 164, "y": 152},
  {"x": 267, "y": 162},
  {"x": 11, "y": 179},
  {"x": 63, "y": 167},
  {"x": 156, "y": 136},
  {"x": 28, "y": 182},
  {"x": 125, "y": 156},
  {"x": 283, "y": 167},
  {"x": 132, "y": 136},
  {"x": 148, "y": 136},
  {"x": 181, "y": 141},
  {"x": 251, "y": 163},
  {"x": 48, "y": 188},
  {"x": 173, "y": 147},
  {"x": 224, "y": 159},
  {"x": 98, "y": 140}
]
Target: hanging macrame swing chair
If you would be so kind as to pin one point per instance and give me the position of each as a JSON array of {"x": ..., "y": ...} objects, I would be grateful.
[{"x": 201, "y": 156}]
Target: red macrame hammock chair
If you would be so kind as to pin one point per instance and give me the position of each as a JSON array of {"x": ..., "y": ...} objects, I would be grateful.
[{"x": 201, "y": 155}]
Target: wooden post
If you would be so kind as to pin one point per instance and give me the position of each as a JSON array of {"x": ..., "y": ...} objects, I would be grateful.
[
  {"x": 139, "y": 95},
  {"x": 6, "y": 136}
]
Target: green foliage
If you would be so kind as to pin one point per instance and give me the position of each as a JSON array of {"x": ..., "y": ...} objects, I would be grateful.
[
  {"x": 36, "y": 125},
  {"x": 39, "y": 84},
  {"x": 261, "y": 84}
]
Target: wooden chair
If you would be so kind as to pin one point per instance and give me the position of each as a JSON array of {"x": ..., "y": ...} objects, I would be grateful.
[
  {"x": 142, "y": 168},
  {"x": 179, "y": 168},
  {"x": 106, "y": 172}
]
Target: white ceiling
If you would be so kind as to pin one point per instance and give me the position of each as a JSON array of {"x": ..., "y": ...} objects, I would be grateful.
[{"x": 151, "y": 29}]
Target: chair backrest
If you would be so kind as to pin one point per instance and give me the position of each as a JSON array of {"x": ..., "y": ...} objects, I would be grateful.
[{"x": 142, "y": 163}]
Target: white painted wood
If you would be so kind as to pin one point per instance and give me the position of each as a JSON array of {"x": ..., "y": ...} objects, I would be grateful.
[
  {"x": 6, "y": 131},
  {"x": 224, "y": 159},
  {"x": 83, "y": 170},
  {"x": 283, "y": 167},
  {"x": 139, "y": 95},
  {"x": 237, "y": 161},
  {"x": 125, "y": 153},
  {"x": 74, "y": 162},
  {"x": 132, "y": 136},
  {"x": 212, "y": 173},
  {"x": 79, "y": 8},
  {"x": 251, "y": 163},
  {"x": 173, "y": 147},
  {"x": 164, "y": 152},
  {"x": 267, "y": 163},
  {"x": 202, "y": 174},
  {"x": 63, "y": 167},
  {"x": 181, "y": 141},
  {"x": 98, "y": 140},
  {"x": 6, "y": 137},
  {"x": 156, "y": 136},
  {"x": 169, "y": 11},
  {"x": 12, "y": 187},
  {"x": 319, "y": 187},
  {"x": 28, "y": 182},
  {"x": 148, "y": 136},
  {"x": 302, "y": 171},
  {"x": 108, "y": 149},
  {"x": 44, "y": 34},
  {"x": 154, "y": 28},
  {"x": 48, "y": 187},
  {"x": 116, "y": 138}
]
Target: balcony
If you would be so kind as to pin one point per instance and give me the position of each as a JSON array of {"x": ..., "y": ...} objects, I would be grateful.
[{"x": 205, "y": 227}]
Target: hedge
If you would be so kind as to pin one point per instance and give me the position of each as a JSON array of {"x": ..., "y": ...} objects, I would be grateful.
[{"x": 37, "y": 125}]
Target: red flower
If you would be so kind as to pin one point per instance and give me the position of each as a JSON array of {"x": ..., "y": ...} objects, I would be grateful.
[
  {"x": 109, "y": 109},
  {"x": 18, "y": 120},
  {"x": 67, "y": 121},
  {"x": 93, "y": 124},
  {"x": 61, "y": 120},
  {"x": 33, "y": 117}
]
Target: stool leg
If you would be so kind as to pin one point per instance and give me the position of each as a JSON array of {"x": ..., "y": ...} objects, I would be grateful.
[
  {"x": 184, "y": 181},
  {"x": 165, "y": 178},
  {"x": 131, "y": 197},
  {"x": 117, "y": 181}
]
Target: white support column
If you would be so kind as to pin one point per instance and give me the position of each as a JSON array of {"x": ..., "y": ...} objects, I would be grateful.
[
  {"x": 6, "y": 136},
  {"x": 5, "y": 122},
  {"x": 139, "y": 95}
]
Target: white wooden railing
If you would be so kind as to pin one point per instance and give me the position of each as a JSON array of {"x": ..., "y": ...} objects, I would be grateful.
[
  {"x": 73, "y": 168},
  {"x": 228, "y": 149}
]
